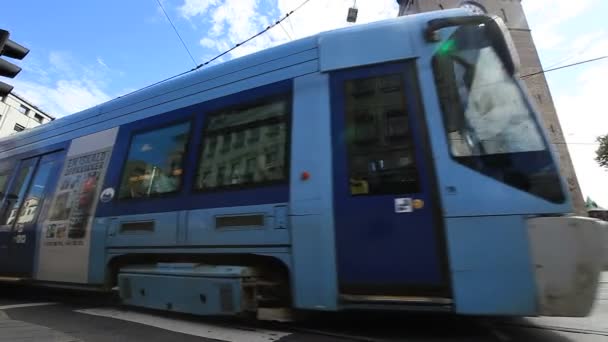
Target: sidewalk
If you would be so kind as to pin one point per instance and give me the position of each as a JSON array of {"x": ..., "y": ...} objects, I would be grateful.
[{"x": 12, "y": 330}]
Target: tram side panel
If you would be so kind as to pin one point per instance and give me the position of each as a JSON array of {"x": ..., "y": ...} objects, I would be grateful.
[
  {"x": 228, "y": 204},
  {"x": 65, "y": 240}
]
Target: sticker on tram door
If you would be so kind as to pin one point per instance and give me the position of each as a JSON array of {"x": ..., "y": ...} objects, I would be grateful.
[{"x": 403, "y": 205}]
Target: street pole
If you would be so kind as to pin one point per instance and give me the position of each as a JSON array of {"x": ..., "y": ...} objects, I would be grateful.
[{"x": 403, "y": 4}]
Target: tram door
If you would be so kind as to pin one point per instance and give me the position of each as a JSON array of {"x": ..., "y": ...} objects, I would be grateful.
[
  {"x": 387, "y": 222},
  {"x": 21, "y": 209}
]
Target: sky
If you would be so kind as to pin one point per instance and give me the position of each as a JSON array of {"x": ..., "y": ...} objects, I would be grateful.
[{"x": 87, "y": 52}]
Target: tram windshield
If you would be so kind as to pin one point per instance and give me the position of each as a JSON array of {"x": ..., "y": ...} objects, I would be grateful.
[{"x": 490, "y": 124}]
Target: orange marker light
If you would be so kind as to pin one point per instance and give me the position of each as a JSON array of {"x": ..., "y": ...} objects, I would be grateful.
[
  {"x": 418, "y": 204},
  {"x": 305, "y": 176}
]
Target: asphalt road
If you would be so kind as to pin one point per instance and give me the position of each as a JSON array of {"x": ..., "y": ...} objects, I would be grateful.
[{"x": 32, "y": 314}]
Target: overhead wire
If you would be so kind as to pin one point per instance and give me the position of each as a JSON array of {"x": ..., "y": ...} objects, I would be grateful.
[
  {"x": 569, "y": 58},
  {"x": 176, "y": 32},
  {"x": 254, "y": 36},
  {"x": 285, "y": 17},
  {"x": 221, "y": 54},
  {"x": 564, "y": 66}
]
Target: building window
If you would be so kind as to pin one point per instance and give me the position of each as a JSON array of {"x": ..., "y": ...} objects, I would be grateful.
[
  {"x": 23, "y": 109},
  {"x": 19, "y": 128},
  {"x": 221, "y": 171},
  {"x": 235, "y": 172},
  {"x": 210, "y": 147},
  {"x": 254, "y": 135},
  {"x": 380, "y": 151},
  {"x": 242, "y": 126},
  {"x": 227, "y": 140},
  {"x": 155, "y": 162},
  {"x": 250, "y": 169},
  {"x": 38, "y": 118},
  {"x": 273, "y": 130}
]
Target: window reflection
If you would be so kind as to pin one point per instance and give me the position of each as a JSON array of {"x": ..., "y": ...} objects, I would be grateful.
[
  {"x": 380, "y": 147},
  {"x": 489, "y": 124},
  {"x": 15, "y": 196},
  {"x": 4, "y": 177},
  {"x": 154, "y": 165},
  {"x": 253, "y": 142},
  {"x": 31, "y": 205}
]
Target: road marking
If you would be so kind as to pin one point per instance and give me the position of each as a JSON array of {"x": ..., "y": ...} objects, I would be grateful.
[
  {"x": 13, "y": 330},
  {"x": 25, "y": 305},
  {"x": 200, "y": 329}
]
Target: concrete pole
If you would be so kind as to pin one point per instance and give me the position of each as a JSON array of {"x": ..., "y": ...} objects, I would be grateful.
[{"x": 403, "y": 4}]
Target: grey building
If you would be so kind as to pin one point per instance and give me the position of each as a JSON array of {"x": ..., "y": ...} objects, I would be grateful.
[
  {"x": 17, "y": 114},
  {"x": 511, "y": 11}
]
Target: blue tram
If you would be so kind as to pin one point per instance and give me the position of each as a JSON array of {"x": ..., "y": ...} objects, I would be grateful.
[{"x": 395, "y": 165}]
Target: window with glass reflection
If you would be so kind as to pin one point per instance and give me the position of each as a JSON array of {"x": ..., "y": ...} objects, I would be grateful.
[
  {"x": 31, "y": 204},
  {"x": 245, "y": 145},
  {"x": 16, "y": 194},
  {"x": 155, "y": 162},
  {"x": 380, "y": 149},
  {"x": 4, "y": 178}
]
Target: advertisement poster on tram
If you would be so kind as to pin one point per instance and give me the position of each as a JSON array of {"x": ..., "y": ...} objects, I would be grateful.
[{"x": 65, "y": 237}]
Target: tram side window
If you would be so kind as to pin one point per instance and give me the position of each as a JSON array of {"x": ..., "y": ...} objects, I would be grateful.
[
  {"x": 380, "y": 150},
  {"x": 4, "y": 177},
  {"x": 155, "y": 162},
  {"x": 31, "y": 203},
  {"x": 245, "y": 146},
  {"x": 15, "y": 196}
]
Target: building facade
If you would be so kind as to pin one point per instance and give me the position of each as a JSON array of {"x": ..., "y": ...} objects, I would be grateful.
[
  {"x": 17, "y": 114},
  {"x": 512, "y": 13}
]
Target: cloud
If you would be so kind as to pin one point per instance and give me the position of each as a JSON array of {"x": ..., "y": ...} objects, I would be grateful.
[
  {"x": 550, "y": 18},
  {"x": 208, "y": 43},
  {"x": 102, "y": 63},
  {"x": 192, "y": 8},
  {"x": 62, "y": 97},
  {"x": 233, "y": 21},
  {"x": 61, "y": 85},
  {"x": 61, "y": 62},
  {"x": 317, "y": 16}
]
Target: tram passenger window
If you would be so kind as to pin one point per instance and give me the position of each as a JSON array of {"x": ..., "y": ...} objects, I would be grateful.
[
  {"x": 254, "y": 135},
  {"x": 155, "y": 162},
  {"x": 240, "y": 139},
  {"x": 258, "y": 133},
  {"x": 227, "y": 141},
  {"x": 211, "y": 146},
  {"x": 380, "y": 149},
  {"x": 221, "y": 171},
  {"x": 31, "y": 205},
  {"x": 15, "y": 196},
  {"x": 4, "y": 177}
]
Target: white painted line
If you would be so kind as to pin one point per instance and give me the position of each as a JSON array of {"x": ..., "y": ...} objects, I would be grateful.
[
  {"x": 25, "y": 305},
  {"x": 234, "y": 334}
]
